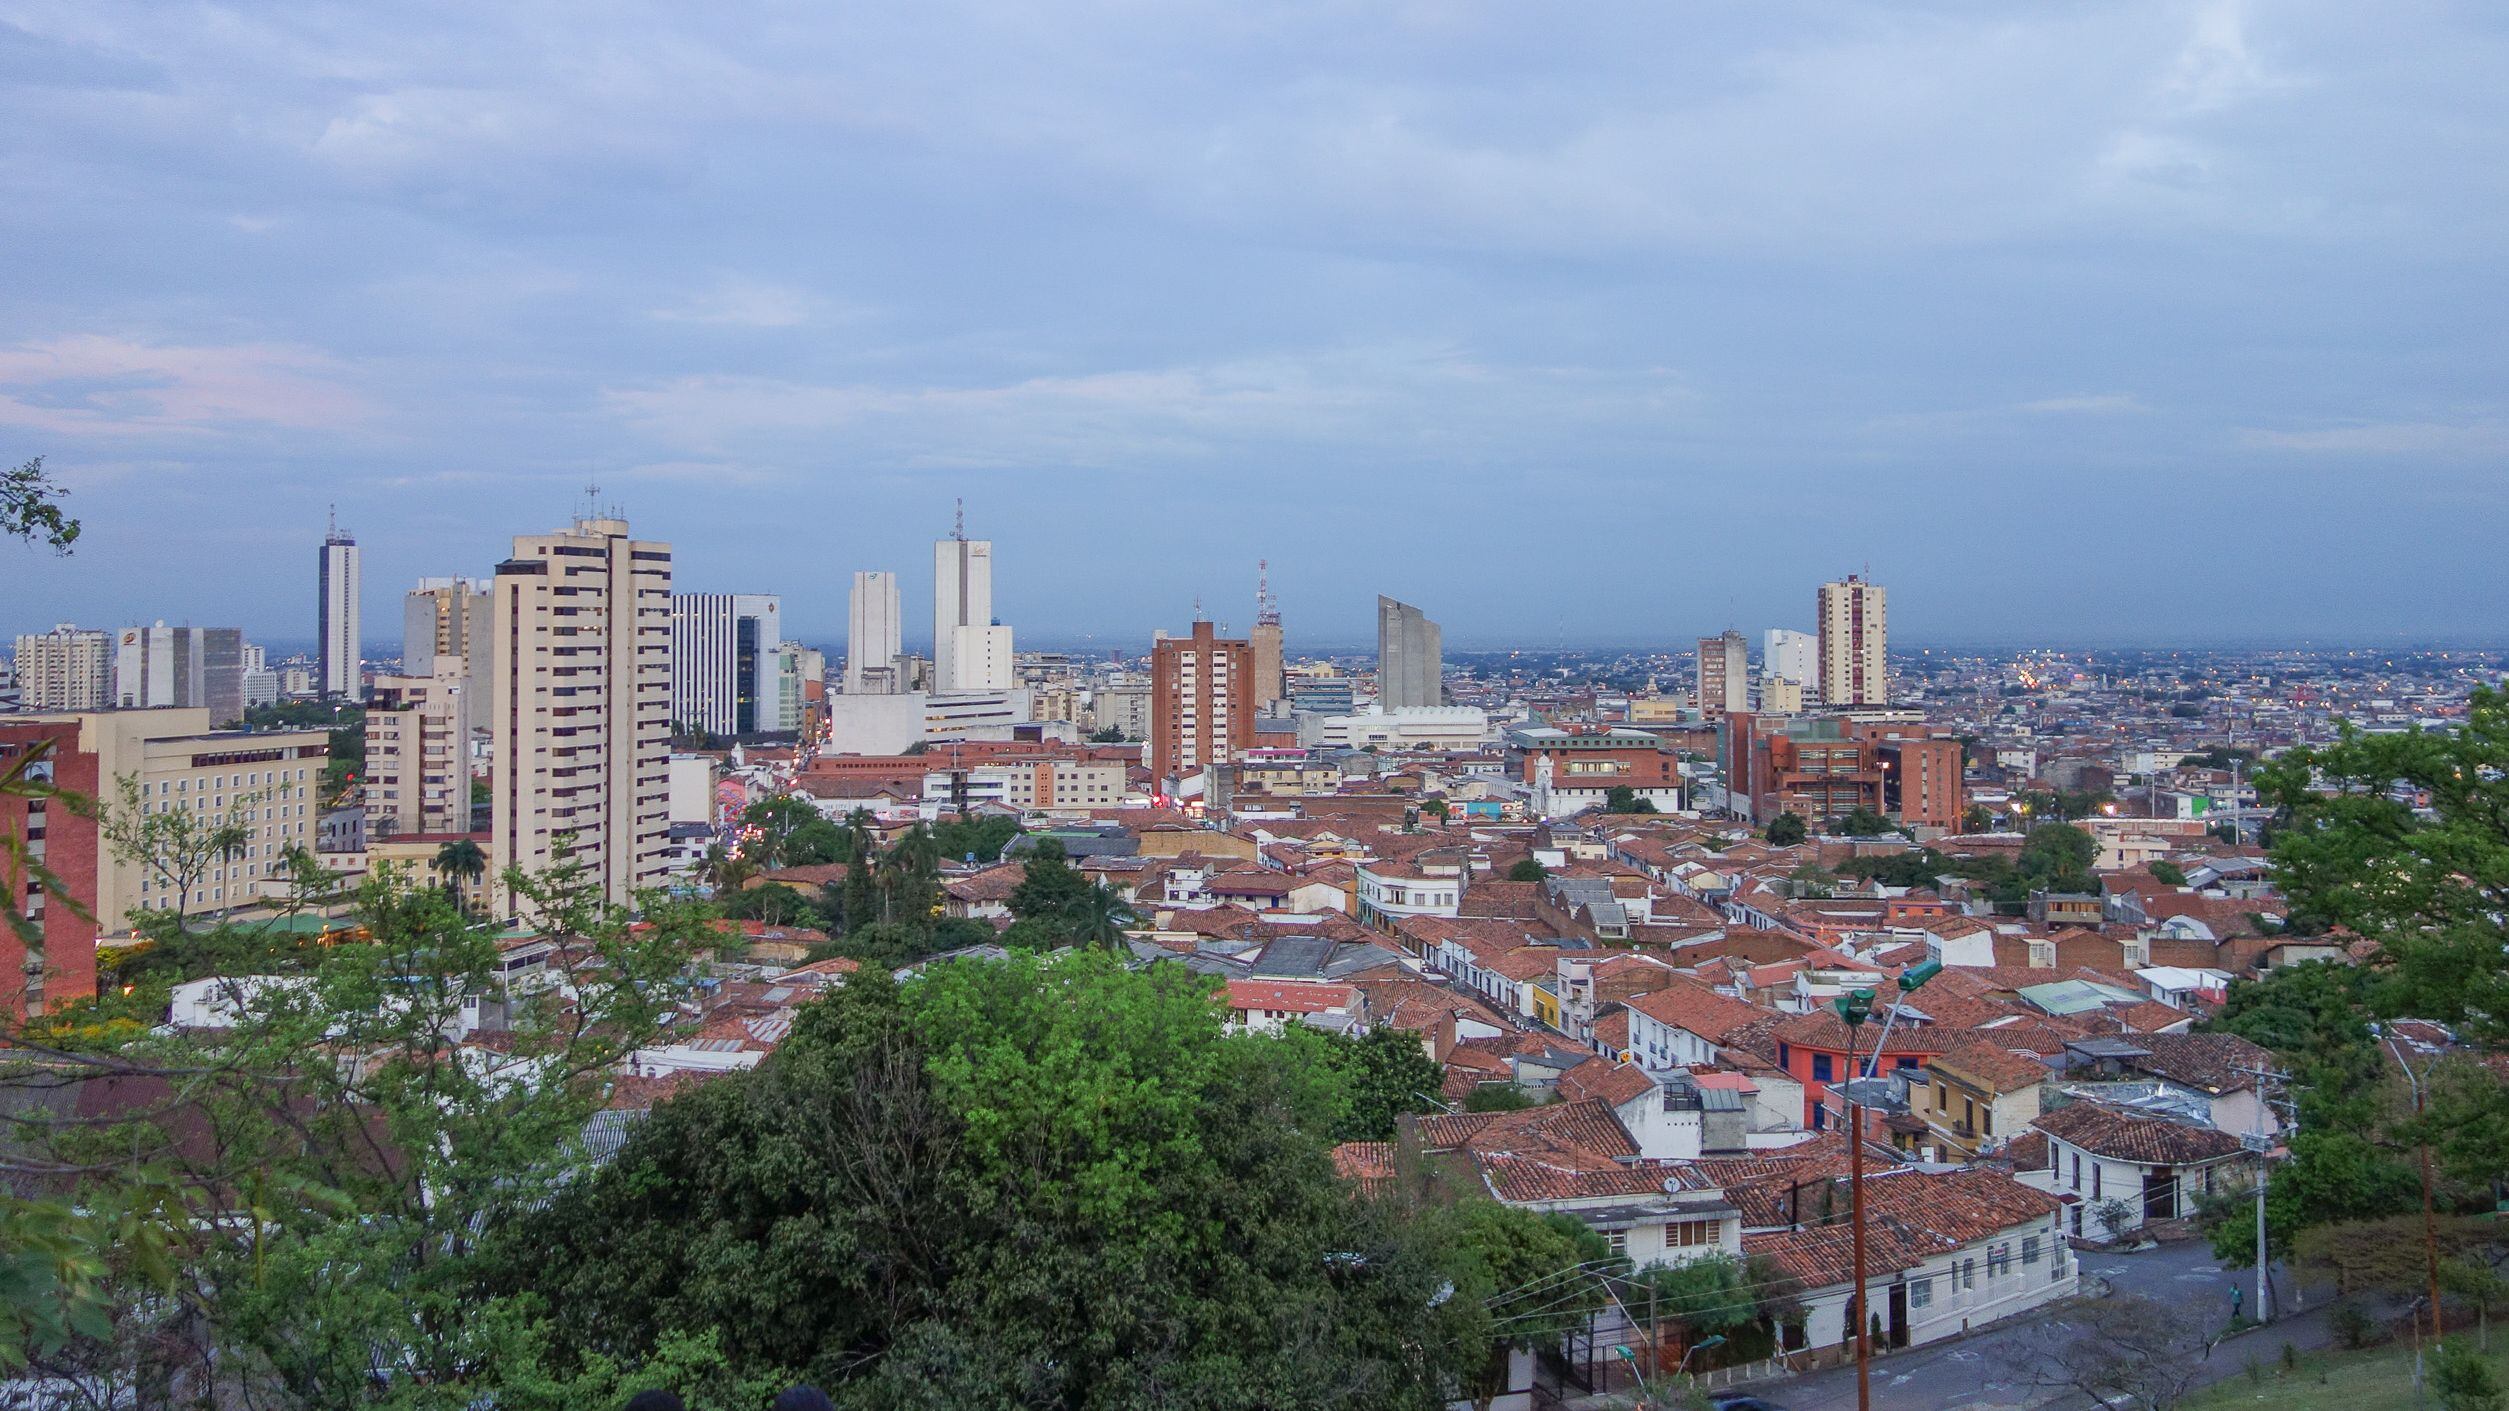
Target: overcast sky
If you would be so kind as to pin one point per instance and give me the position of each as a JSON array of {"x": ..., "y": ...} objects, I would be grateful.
[{"x": 1570, "y": 322}]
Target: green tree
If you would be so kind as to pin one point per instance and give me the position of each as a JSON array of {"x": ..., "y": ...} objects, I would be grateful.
[
  {"x": 1976, "y": 819},
  {"x": 1620, "y": 798},
  {"x": 179, "y": 843},
  {"x": 1388, "y": 1074},
  {"x": 862, "y": 892},
  {"x": 1527, "y": 870},
  {"x": 1051, "y": 891},
  {"x": 1786, "y": 830},
  {"x": 1497, "y": 1097},
  {"x": 348, "y": 1157},
  {"x": 1086, "y": 1194},
  {"x": 908, "y": 878},
  {"x": 30, "y": 508},
  {"x": 2464, "y": 1379},
  {"x": 2169, "y": 874},
  {"x": 460, "y": 861},
  {"x": 791, "y": 833},
  {"x": 1107, "y": 735},
  {"x": 981, "y": 836},
  {"x": 1861, "y": 822},
  {"x": 2431, "y": 889},
  {"x": 2057, "y": 857}
]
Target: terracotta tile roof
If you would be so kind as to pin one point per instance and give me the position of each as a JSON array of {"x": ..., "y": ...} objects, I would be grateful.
[
  {"x": 1586, "y": 1126},
  {"x": 1513, "y": 900},
  {"x": 1612, "y": 1028},
  {"x": 993, "y": 884},
  {"x": 1614, "y": 1083},
  {"x": 1368, "y": 1163},
  {"x": 2209, "y": 1062},
  {"x": 1291, "y": 996},
  {"x": 1912, "y": 1216},
  {"x": 1697, "y": 1009},
  {"x": 1979, "y": 1057},
  {"x": 2120, "y": 1136}
]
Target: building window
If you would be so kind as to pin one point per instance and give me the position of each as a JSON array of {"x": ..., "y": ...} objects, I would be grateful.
[
  {"x": 1821, "y": 1070},
  {"x": 1618, "y": 1240},
  {"x": 1920, "y": 1293},
  {"x": 1690, "y": 1234},
  {"x": 1998, "y": 1260},
  {"x": 2095, "y": 1180},
  {"x": 2030, "y": 1249},
  {"x": 2077, "y": 1170}
]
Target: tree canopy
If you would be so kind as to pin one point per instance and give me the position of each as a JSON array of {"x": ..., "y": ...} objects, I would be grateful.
[{"x": 1026, "y": 1182}]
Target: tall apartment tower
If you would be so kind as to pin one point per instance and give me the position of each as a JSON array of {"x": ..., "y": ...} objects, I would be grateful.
[
  {"x": 1855, "y": 634},
  {"x": 726, "y": 660},
  {"x": 343, "y": 656},
  {"x": 67, "y": 668},
  {"x": 1201, "y": 701},
  {"x": 969, "y": 651},
  {"x": 419, "y": 731},
  {"x": 1724, "y": 673},
  {"x": 581, "y": 730},
  {"x": 200, "y": 667},
  {"x": 1269, "y": 688},
  {"x": 1410, "y": 657},
  {"x": 874, "y": 635}
]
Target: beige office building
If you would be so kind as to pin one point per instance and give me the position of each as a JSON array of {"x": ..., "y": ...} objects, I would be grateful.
[
  {"x": 267, "y": 782},
  {"x": 67, "y": 668},
  {"x": 1855, "y": 637},
  {"x": 419, "y": 733},
  {"x": 581, "y": 726}
]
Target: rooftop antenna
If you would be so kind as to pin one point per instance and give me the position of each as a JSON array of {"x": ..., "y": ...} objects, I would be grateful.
[
  {"x": 592, "y": 501},
  {"x": 958, "y": 525},
  {"x": 1197, "y": 607},
  {"x": 1267, "y": 610}
]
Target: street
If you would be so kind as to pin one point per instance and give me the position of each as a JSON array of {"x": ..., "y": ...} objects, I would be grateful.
[{"x": 1991, "y": 1369}]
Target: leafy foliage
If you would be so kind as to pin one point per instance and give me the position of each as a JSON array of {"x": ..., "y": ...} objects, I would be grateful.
[
  {"x": 1388, "y": 1074},
  {"x": 1620, "y": 798},
  {"x": 1024, "y": 1182},
  {"x": 1527, "y": 870},
  {"x": 30, "y": 508},
  {"x": 1786, "y": 830}
]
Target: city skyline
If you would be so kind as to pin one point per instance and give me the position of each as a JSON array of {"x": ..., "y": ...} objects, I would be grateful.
[{"x": 2138, "y": 288}]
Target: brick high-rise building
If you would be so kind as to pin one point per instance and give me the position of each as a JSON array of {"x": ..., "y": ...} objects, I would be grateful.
[
  {"x": 68, "y": 843},
  {"x": 1201, "y": 702},
  {"x": 582, "y": 724},
  {"x": 1724, "y": 673},
  {"x": 1855, "y": 640}
]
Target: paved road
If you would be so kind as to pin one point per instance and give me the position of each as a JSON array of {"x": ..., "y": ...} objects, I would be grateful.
[{"x": 1989, "y": 1369}]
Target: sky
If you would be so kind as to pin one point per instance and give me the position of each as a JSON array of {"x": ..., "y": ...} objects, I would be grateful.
[{"x": 1591, "y": 323}]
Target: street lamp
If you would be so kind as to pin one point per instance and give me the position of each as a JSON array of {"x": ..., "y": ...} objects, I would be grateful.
[
  {"x": 1702, "y": 1345},
  {"x": 1855, "y": 1007}
]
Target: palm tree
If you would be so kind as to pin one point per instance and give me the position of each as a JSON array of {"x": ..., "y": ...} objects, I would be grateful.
[
  {"x": 1098, "y": 916},
  {"x": 461, "y": 861},
  {"x": 727, "y": 871}
]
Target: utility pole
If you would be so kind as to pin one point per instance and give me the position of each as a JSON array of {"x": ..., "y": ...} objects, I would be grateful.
[
  {"x": 2430, "y": 1228},
  {"x": 2256, "y": 1141}
]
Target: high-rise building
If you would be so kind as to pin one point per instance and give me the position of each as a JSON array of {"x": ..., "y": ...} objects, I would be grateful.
[
  {"x": 1410, "y": 657},
  {"x": 970, "y": 652},
  {"x": 1791, "y": 655},
  {"x": 67, "y": 668},
  {"x": 447, "y": 618},
  {"x": 159, "y": 667},
  {"x": 581, "y": 726},
  {"x": 1201, "y": 702},
  {"x": 1855, "y": 635},
  {"x": 725, "y": 669},
  {"x": 1724, "y": 675},
  {"x": 343, "y": 655},
  {"x": 1269, "y": 690},
  {"x": 419, "y": 733},
  {"x": 873, "y": 635}
]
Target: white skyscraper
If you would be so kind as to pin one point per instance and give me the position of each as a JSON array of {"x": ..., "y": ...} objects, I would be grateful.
[
  {"x": 343, "y": 657},
  {"x": 725, "y": 663},
  {"x": 1788, "y": 654},
  {"x": 67, "y": 668},
  {"x": 969, "y": 652},
  {"x": 873, "y": 636}
]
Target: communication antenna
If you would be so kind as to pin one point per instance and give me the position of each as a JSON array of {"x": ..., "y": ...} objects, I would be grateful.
[
  {"x": 1267, "y": 610},
  {"x": 958, "y": 524}
]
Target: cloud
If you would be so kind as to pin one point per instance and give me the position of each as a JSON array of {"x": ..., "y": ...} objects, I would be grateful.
[
  {"x": 2095, "y": 402},
  {"x": 743, "y": 303},
  {"x": 94, "y": 384},
  {"x": 2393, "y": 438}
]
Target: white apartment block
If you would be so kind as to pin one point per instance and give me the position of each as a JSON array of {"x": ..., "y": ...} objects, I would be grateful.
[
  {"x": 67, "y": 668},
  {"x": 875, "y": 623},
  {"x": 581, "y": 728}
]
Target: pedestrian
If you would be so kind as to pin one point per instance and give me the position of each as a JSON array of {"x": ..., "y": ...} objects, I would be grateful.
[
  {"x": 656, "y": 1400},
  {"x": 804, "y": 1398}
]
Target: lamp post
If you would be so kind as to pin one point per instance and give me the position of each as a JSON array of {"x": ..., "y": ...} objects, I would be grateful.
[
  {"x": 1702, "y": 1345},
  {"x": 1855, "y": 1007}
]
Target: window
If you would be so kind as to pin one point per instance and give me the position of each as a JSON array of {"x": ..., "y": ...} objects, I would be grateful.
[
  {"x": 2095, "y": 1179},
  {"x": 1968, "y": 1273},
  {"x": 2077, "y": 1170},
  {"x": 2030, "y": 1249},
  {"x": 1690, "y": 1234},
  {"x": 1998, "y": 1260},
  {"x": 1821, "y": 1071},
  {"x": 1618, "y": 1240},
  {"x": 1920, "y": 1293}
]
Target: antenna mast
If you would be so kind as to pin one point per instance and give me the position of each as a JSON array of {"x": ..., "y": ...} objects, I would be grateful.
[
  {"x": 1267, "y": 611},
  {"x": 958, "y": 524}
]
